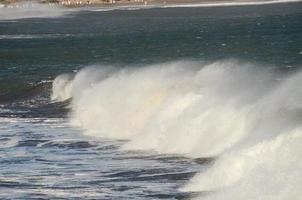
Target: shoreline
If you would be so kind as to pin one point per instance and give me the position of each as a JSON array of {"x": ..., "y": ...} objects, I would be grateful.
[{"x": 143, "y": 3}]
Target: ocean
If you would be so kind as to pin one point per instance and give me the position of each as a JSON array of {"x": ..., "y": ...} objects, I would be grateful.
[{"x": 151, "y": 103}]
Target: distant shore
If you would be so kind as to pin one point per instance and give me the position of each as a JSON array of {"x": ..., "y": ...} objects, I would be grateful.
[{"x": 168, "y": 3}]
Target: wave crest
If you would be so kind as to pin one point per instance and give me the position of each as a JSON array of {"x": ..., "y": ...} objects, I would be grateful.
[{"x": 245, "y": 114}]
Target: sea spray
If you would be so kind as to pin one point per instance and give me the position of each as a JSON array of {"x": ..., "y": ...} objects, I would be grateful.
[
  {"x": 228, "y": 109},
  {"x": 266, "y": 164},
  {"x": 269, "y": 170},
  {"x": 61, "y": 87},
  {"x": 183, "y": 102}
]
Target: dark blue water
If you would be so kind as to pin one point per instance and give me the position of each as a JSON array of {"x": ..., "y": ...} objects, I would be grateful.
[{"x": 46, "y": 159}]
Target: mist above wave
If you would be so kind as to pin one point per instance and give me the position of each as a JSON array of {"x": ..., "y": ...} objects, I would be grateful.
[{"x": 238, "y": 112}]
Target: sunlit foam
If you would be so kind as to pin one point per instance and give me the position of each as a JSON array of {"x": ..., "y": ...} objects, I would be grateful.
[{"x": 238, "y": 112}]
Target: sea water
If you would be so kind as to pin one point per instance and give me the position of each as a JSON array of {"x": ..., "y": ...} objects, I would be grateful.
[{"x": 157, "y": 103}]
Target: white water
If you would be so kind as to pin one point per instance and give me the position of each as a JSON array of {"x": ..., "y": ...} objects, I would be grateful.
[
  {"x": 234, "y": 3},
  {"x": 269, "y": 170},
  {"x": 184, "y": 5},
  {"x": 238, "y": 112}
]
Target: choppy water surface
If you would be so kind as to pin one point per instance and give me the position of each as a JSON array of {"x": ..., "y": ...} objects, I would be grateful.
[
  {"x": 161, "y": 103},
  {"x": 47, "y": 159}
]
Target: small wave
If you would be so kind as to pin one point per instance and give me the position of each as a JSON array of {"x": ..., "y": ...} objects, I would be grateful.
[
  {"x": 30, "y": 143},
  {"x": 13, "y": 91},
  {"x": 68, "y": 144},
  {"x": 135, "y": 7},
  {"x": 17, "y": 184},
  {"x": 30, "y": 100},
  {"x": 102, "y": 9},
  {"x": 40, "y": 36},
  {"x": 12, "y": 37}
]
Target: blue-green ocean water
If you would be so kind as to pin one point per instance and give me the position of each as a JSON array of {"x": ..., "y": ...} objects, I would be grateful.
[
  {"x": 42, "y": 157},
  {"x": 39, "y": 49}
]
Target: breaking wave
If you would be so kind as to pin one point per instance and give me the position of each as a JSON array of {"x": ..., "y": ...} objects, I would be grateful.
[{"x": 244, "y": 115}]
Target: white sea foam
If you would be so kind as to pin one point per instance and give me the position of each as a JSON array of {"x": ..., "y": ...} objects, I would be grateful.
[
  {"x": 234, "y": 3},
  {"x": 269, "y": 170},
  {"x": 21, "y": 36},
  {"x": 35, "y": 36},
  {"x": 190, "y": 5},
  {"x": 30, "y": 10},
  {"x": 238, "y": 112}
]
